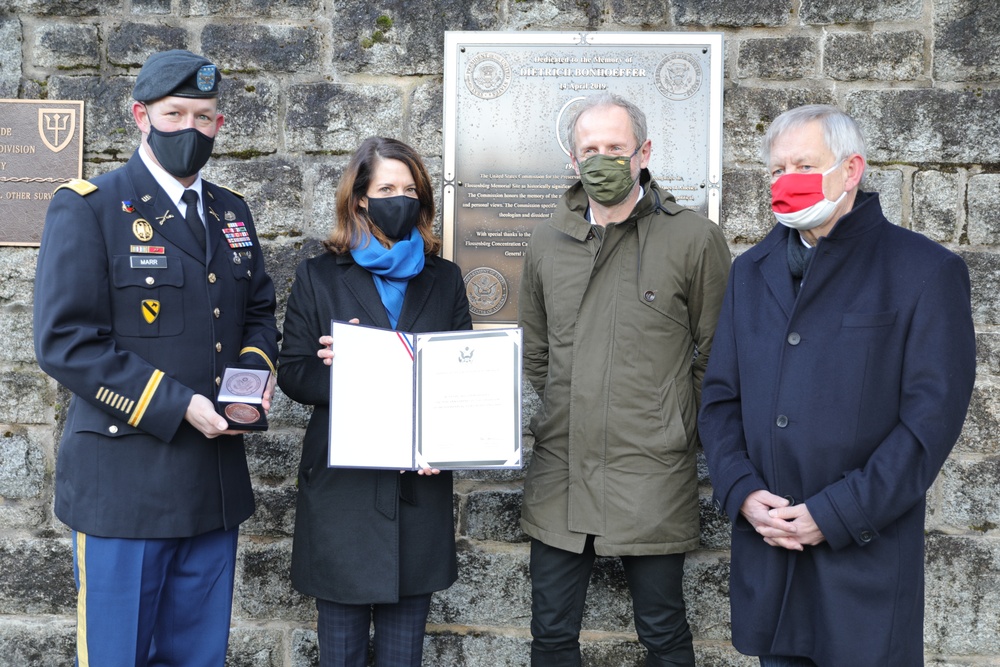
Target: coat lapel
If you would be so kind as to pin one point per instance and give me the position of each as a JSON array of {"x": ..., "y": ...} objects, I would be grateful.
[
  {"x": 362, "y": 286},
  {"x": 153, "y": 204},
  {"x": 418, "y": 291},
  {"x": 774, "y": 269}
]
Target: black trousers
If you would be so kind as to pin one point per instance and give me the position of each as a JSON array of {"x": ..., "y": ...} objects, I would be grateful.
[{"x": 559, "y": 581}]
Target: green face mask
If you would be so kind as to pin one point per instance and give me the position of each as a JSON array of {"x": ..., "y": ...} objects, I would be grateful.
[{"x": 607, "y": 179}]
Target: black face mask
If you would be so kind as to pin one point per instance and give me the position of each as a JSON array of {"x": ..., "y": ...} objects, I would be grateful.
[
  {"x": 182, "y": 153},
  {"x": 395, "y": 216}
]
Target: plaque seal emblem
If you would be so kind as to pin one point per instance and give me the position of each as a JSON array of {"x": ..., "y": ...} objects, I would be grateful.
[
  {"x": 243, "y": 384},
  {"x": 486, "y": 290},
  {"x": 678, "y": 76},
  {"x": 488, "y": 75}
]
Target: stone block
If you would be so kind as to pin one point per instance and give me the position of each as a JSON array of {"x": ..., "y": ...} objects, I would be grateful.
[
  {"x": 984, "y": 270},
  {"x": 273, "y": 455},
  {"x": 108, "y": 121},
  {"x": 706, "y": 594},
  {"x": 275, "y": 512},
  {"x": 983, "y": 202},
  {"x": 859, "y": 11},
  {"x": 494, "y": 515},
  {"x": 716, "y": 531},
  {"x": 965, "y": 41},
  {"x": 281, "y": 261},
  {"x": 24, "y": 398},
  {"x": 285, "y": 412},
  {"x": 67, "y": 46},
  {"x": 17, "y": 276},
  {"x": 28, "y": 515},
  {"x": 321, "y": 176},
  {"x": 392, "y": 37},
  {"x": 782, "y": 58},
  {"x": 272, "y": 187},
  {"x": 10, "y": 56},
  {"x": 131, "y": 42},
  {"x": 492, "y": 589},
  {"x": 263, "y": 586},
  {"x": 251, "y": 47},
  {"x": 61, "y": 8},
  {"x": 920, "y": 125},
  {"x": 746, "y": 205},
  {"x": 645, "y": 14},
  {"x": 714, "y": 14},
  {"x": 16, "y": 332},
  {"x": 880, "y": 56},
  {"x": 46, "y": 587},
  {"x": 280, "y": 9},
  {"x": 970, "y": 496},
  {"x": 938, "y": 203},
  {"x": 254, "y": 646},
  {"x": 426, "y": 119},
  {"x": 305, "y": 649},
  {"x": 963, "y": 583},
  {"x": 38, "y": 642},
  {"x": 888, "y": 183},
  {"x": 336, "y": 118},
  {"x": 251, "y": 107},
  {"x": 479, "y": 649},
  {"x": 151, "y": 6},
  {"x": 747, "y": 113},
  {"x": 981, "y": 432},
  {"x": 562, "y": 14},
  {"x": 22, "y": 465},
  {"x": 988, "y": 353}
]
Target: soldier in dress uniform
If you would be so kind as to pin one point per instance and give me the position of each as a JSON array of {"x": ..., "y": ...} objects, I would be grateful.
[{"x": 150, "y": 282}]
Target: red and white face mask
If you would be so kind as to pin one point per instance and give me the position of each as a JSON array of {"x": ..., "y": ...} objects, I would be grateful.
[{"x": 797, "y": 200}]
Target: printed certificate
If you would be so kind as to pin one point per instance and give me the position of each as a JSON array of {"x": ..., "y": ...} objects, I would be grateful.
[{"x": 447, "y": 400}]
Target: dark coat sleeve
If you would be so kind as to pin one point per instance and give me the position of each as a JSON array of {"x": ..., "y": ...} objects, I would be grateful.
[{"x": 301, "y": 374}]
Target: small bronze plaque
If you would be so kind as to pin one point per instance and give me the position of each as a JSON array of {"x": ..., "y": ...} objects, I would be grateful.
[{"x": 41, "y": 147}]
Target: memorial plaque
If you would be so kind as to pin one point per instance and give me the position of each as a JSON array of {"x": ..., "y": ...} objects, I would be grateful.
[
  {"x": 507, "y": 100},
  {"x": 41, "y": 147}
]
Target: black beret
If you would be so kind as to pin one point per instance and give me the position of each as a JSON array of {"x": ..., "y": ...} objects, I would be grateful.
[{"x": 178, "y": 73}]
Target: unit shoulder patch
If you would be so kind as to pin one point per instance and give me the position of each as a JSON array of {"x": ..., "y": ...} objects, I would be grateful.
[
  {"x": 238, "y": 194},
  {"x": 79, "y": 186}
]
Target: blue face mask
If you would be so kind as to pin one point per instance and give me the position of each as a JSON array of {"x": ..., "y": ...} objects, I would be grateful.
[
  {"x": 395, "y": 216},
  {"x": 182, "y": 153}
]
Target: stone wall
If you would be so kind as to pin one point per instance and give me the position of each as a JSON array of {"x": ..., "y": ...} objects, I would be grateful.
[{"x": 306, "y": 80}]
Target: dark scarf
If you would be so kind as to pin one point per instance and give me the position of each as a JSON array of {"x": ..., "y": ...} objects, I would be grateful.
[{"x": 799, "y": 256}]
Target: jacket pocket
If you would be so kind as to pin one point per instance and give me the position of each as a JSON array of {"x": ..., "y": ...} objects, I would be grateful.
[{"x": 147, "y": 302}]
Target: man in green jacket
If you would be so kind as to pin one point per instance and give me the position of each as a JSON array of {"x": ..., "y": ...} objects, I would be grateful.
[{"x": 620, "y": 294}]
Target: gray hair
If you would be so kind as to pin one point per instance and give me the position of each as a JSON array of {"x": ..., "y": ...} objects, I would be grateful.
[
  {"x": 599, "y": 100},
  {"x": 841, "y": 133}
]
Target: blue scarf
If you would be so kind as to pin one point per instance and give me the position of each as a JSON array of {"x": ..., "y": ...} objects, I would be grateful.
[{"x": 392, "y": 269}]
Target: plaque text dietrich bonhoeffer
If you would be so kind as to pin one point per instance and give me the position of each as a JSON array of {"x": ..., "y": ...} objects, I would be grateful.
[
  {"x": 508, "y": 100},
  {"x": 41, "y": 147}
]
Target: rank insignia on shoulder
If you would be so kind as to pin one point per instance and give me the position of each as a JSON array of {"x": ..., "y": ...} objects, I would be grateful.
[
  {"x": 127, "y": 206},
  {"x": 79, "y": 186},
  {"x": 150, "y": 310},
  {"x": 238, "y": 194},
  {"x": 142, "y": 230}
]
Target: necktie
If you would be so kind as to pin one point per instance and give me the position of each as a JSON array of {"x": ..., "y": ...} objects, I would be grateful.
[{"x": 190, "y": 197}]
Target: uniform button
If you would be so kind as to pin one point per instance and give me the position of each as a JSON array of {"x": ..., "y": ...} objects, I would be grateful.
[
  {"x": 590, "y": 235},
  {"x": 218, "y": 381},
  {"x": 216, "y": 312},
  {"x": 236, "y": 259},
  {"x": 794, "y": 338},
  {"x": 781, "y": 421},
  {"x": 249, "y": 274},
  {"x": 649, "y": 295},
  {"x": 866, "y": 536},
  {"x": 211, "y": 278},
  {"x": 149, "y": 280},
  {"x": 112, "y": 429},
  {"x": 218, "y": 347}
]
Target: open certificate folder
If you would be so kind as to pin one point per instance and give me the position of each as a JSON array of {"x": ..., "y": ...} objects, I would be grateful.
[{"x": 443, "y": 400}]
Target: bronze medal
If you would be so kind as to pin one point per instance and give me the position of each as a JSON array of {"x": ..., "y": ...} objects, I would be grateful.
[{"x": 241, "y": 413}]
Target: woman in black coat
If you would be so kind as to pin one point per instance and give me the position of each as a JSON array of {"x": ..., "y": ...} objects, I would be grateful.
[{"x": 370, "y": 545}]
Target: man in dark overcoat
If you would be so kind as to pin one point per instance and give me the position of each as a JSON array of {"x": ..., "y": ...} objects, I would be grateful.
[
  {"x": 150, "y": 282},
  {"x": 841, "y": 373}
]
